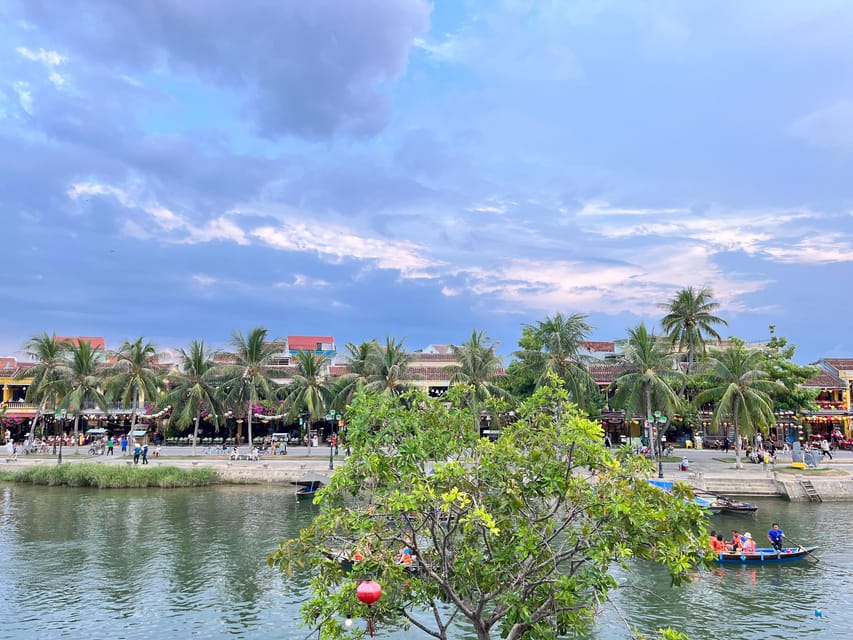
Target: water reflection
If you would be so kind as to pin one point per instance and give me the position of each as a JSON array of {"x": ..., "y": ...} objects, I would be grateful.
[{"x": 85, "y": 564}]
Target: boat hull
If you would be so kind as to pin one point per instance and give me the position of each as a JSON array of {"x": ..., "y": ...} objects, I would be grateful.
[{"x": 764, "y": 556}]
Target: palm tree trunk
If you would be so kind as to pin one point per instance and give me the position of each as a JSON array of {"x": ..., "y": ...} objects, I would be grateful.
[
  {"x": 133, "y": 407},
  {"x": 249, "y": 426},
  {"x": 195, "y": 431},
  {"x": 77, "y": 431},
  {"x": 39, "y": 414},
  {"x": 738, "y": 463},
  {"x": 308, "y": 436}
]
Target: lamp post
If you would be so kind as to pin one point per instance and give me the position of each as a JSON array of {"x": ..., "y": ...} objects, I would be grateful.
[
  {"x": 660, "y": 421},
  {"x": 330, "y": 416}
]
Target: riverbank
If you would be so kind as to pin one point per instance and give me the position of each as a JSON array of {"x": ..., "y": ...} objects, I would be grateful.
[{"x": 707, "y": 470}]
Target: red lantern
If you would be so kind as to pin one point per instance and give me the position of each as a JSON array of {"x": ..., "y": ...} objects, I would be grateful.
[{"x": 369, "y": 592}]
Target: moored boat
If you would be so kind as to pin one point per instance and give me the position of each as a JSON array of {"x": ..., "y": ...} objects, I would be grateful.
[
  {"x": 723, "y": 504},
  {"x": 307, "y": 488},
  {"x": 764, "y": 555}
]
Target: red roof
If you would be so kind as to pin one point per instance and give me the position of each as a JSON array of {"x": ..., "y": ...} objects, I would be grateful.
[
  {"x": 825, "y": 381},
  {"x": 840, "y": 364},
  {"x": 308, "y": 343},
  {"x": 599, "y": 346},
  {"x": 97, "y": 343},
  {"x": 605, "y": 373}
]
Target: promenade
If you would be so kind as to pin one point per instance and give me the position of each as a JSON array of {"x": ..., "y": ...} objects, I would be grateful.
[{"x": 708, "y": 469}]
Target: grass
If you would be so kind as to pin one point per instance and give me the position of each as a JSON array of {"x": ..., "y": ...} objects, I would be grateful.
[
  {"x": 820, "y": 471},
  {"x": 111, "y": 476}
]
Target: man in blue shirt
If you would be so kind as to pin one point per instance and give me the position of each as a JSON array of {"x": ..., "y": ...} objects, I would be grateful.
[{"x": 775, "y": 536}]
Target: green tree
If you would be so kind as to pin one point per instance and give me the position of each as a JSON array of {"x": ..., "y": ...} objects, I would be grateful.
[
  {"x": 741, "y": 391},
  {"x": 553, "y": 347},
  {"x": 48, "y": 357},
  {"x": 513, "y": 538},
  {"x": 777, "y": 360},
  {"x": 359, "y": 358},
  {"x": 477, "y": 370},
  {"x": 249, "y": 379},
  {"x": 650, "y": 375},
  {"x": 82, "y": 382},
  {"x": 135, "y": 376},
  {"x": 309, "y": 390},
  {"x": 389, "y": 368},
  {"x": 193, "y": 388},
  {"x": 690, "y": 321}
]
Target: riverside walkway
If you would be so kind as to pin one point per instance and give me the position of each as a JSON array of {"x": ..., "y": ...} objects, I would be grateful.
[{"x": 707, "y": 469}]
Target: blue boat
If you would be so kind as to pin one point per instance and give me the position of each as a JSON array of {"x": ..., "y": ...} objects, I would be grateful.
[
  {"x": 307, "y": 488},
  {"x": 667, "y": 485},
  {"x": 764, "y": 555}
]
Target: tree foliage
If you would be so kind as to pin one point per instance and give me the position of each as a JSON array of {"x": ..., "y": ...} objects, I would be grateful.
[
  {"x": 512, "y": 538},
  {"x": 690, "y": 321}
]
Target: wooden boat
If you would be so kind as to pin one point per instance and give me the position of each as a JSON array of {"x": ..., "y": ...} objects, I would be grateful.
[
  {"x": 723, "y": 504},
  {"x": 307, "y": 488},
  {"x": 347, "y": 563},
  {"x": 764, "y": 555},
  {"x": 706, "y": 503}
]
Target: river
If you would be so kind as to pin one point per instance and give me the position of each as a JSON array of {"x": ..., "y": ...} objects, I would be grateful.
[{"x": 87, "y": 564}]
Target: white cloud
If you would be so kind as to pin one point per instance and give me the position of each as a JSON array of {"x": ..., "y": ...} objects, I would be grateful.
[
  {"x": 203, "y": 280},
  {"x": 25, "y": 96},
  {"x": 819, "y": 249},
  {"x": 301, "y": 281},
  {"x": 602, "y": 208},
  {"x": 218, "y": 229},
  {"x": 50, "y": 58}
]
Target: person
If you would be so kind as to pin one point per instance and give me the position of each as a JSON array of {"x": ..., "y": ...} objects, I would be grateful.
[
  {"x": 726, "y": 444},
  {"x": 235, "y": 453},
  {"x": 748, "y": 545},
  {"x": 124, "y": 445},
  {"x": 824, "y": 448},
  {"x": 775, "y": 536},
  {"x": 719, "y": 545},
  {"x": 110, "y": 445},
  {"x": 737, "y": 543},
  {"x": 145, "y": 453},
  {"x": 137, "y": 451},
  {"x": 157, "y": 451}
]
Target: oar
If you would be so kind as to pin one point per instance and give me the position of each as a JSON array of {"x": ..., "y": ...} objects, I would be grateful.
[{"x": 799, "y": 546}]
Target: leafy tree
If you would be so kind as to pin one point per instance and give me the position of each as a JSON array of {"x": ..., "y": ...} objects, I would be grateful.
[
  {"x": 477, "y": 369},
  {"x": 81, "y": 382},
  {"x": 309, "y": 389},
  {"x": 193, "y": 388},
  {"x": 690, "y": 321},
  {"x": 388, "y": 368},
  {"x": 358, "y": 360},
  {"x": 553, "y": 347},
  {"x": 512, "y": 538},
  {"x": 48, "y": 356},
  {"x": 741, "y": 391},
  {"x": 249, "y": 379},
  {"x": 777, "y": 360},
  {"x": 135, "y": 376},
  {"x": 649, "y": 378}
]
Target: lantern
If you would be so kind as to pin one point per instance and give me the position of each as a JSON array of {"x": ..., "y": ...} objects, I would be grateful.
[{"x": 369, "y": 592}]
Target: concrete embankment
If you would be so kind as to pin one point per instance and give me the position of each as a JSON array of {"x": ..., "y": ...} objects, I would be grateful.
[{"x": 793, "y": 487}]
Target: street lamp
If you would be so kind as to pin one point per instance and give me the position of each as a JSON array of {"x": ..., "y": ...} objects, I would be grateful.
[{"x": 659, "y": 421}]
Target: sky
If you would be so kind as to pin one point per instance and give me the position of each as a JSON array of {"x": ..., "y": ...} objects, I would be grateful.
[{"x": 370, "y": 168}]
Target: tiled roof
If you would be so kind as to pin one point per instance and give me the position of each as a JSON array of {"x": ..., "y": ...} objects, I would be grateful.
[
  {"x": 605, "y": 373},
  {"x": 825, "y": 381},
  {"x": 433, "y": 357},
  {"x": 599, "y": 346},
  {"x": 840, "y": 364},
  {"x": 97, "y": 343}
]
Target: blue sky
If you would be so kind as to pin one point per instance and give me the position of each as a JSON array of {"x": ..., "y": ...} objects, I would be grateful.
[{"x": 397, "y": 167}]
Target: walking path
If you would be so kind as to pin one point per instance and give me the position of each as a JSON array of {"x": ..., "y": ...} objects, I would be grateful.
[{"x": 707, "y": 469}]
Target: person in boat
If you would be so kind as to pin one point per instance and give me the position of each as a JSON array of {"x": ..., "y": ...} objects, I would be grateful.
[
  {"x": 719, "y": 545},
  {"x": 748, "y": 544},
  {"x": 712, "y": 538},
  {"x": 404, "y": 556},
  {"x": 737, "y": 542},
  {"x": 775, "y": 536}
]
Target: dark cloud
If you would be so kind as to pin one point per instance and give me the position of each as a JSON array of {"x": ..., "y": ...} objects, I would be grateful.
[{"x": 309, "y": 69}]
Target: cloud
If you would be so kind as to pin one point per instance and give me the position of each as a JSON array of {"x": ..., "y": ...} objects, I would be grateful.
[
  {"x": 831, "y": 127},
  {"x": 312, "y": 70},
  {"x": 826, "y": 248},
  {"x": 49, "y": 59},
  {"x": 301, "y": 281}
]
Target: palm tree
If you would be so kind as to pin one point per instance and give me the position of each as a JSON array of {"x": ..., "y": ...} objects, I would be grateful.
[
  {"x": 647, "y": 385},
  {"x": 249, "y": 379},
  {"x": 48, "y": 356},
  {"x": 359, "y": 358},
  {"x": 690, "y": 321},
  {"x": 559, "y": 340},
  {"x": 741, "y": 392},
  {"x": 135, "y": 377},
  {"x": 388, "y": 368},
  {"x": 477, "y": 368},
  {"x": 309, "y": 390},
  {"x": 193, "y": 388},
  {"x": 82, "y": 382}
]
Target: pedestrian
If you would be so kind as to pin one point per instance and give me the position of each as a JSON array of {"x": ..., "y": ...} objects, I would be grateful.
[
  {"x": 335, "y": 443},
  {"x": 145, "y": 453},
  {"x": 124, "y": 444},
  {"x": 824, "y": 448},
  {"x": 726, "y": 444},
  {"x": 137, "y": 451},
  {"x": 775, "y": 536},
  {"x": 110, "y": 445}
]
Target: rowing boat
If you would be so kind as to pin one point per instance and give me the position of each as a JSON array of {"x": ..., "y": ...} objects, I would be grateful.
[{"x": 764, "y": 555}]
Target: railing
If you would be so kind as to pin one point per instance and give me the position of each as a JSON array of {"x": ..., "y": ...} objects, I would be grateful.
[{"x": 19, "y": 405}]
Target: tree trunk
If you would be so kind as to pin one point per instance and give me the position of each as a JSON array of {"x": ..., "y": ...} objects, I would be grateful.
[
  {"x": 133, "y": 407},
  {"x": 738, "y": 463},
  {"x": 76, "y": 432},
  {"x": 39, "y": 414},
  {"x": 195, "y": 431},
  {"x": 249, "y": 426},
  {"x": 308, "y": 434}
]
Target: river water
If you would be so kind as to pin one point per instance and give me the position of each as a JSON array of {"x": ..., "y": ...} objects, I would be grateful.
[{"x": 87, "y": 564}]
